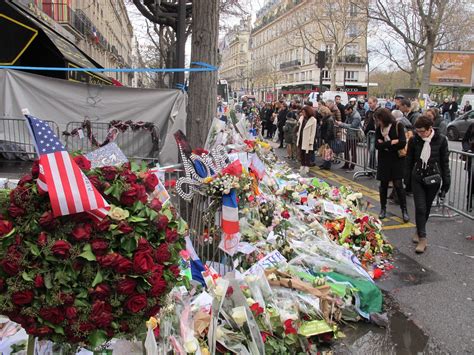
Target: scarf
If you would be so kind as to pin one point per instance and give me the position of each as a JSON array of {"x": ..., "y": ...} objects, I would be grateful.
[
  {"x": 385, "y": 131},
  {"x": 426, "y": 151}
]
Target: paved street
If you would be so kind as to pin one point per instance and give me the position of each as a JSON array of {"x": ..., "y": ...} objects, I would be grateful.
[{"x": 434, "y": 290}]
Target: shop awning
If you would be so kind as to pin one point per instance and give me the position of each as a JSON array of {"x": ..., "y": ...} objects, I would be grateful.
[{"x": 27, "y": 41}]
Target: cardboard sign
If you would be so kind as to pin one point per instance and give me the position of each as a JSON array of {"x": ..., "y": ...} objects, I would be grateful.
[{"x": 272, "y": 260}]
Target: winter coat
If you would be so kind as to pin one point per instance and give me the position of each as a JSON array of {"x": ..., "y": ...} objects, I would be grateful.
[
  {"x": 336, "y": 114},
  {"x": 290, "y": 129},
  {"x": 390, "y": 165},
  {"x": 327, "y": 129},
  {"x": 308, "y": 133},
  {"x": 439, "y": 156},
  {"x": 282, "y": 118},
  {"x": 353, "y": 122},
  {"x": 412, "y": 117},
  {"x": 342, "y": 110},
  {"x": 440, "y": 125},
  {"x": 369, "y": 121},
  {"x": 468, "y": 145}
]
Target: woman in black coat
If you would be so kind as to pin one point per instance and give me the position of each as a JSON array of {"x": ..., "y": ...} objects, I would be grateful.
[
  {"x": 389, "y": 139},
  {"x": 427, "y": 171}
]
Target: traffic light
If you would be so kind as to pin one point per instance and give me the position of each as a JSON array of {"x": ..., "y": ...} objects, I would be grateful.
[{"x": 321, "y": 59}]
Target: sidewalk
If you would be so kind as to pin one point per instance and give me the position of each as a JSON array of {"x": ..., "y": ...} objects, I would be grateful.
[{"x": 435, "y": 289}]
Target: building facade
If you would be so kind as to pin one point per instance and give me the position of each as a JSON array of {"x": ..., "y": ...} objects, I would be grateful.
[
  {"x": 287, "y": 36},
  {"x": 100, "y": 28},
  {"x": 235, "y": 59}
]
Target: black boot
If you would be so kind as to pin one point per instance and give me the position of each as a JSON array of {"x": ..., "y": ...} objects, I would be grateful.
[
  {"x": 405, "y": 216},
  {"x": 383, "y": 200},
  {"x": 383, "y": 213}
]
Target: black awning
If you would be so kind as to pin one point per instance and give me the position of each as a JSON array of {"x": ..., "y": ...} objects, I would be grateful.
[{"x": 26, "y": 41}]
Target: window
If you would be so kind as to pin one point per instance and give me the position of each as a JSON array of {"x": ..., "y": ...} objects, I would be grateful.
[
  {"x": 329, "y": 49},
  {"x": 303, "y": 76},
  {"x": 326, "y": 75},
  {"x": 353, "y": 9},
  {"x": 352, "y": 30},
  {"x": 351, "y": 76},
  {"x": 352, "y": 49}
]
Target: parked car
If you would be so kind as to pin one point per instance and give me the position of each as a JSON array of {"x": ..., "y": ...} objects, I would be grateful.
[{"x": 458, "y": 127}]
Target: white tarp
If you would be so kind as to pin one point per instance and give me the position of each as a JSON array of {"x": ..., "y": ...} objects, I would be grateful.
[{"x": 64, "y": 101}]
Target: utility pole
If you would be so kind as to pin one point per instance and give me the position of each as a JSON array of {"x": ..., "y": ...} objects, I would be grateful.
[
  {"x": 180, "y": 41},
  {"x": 321, "y": 63}
]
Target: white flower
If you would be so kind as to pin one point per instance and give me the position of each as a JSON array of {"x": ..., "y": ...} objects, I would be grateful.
[
  {"x": 221, "y": 288},
  {"x": 191, "y": 345},
  {"x": 239, "y": 315},
  {"x": 357, "y": 231}
]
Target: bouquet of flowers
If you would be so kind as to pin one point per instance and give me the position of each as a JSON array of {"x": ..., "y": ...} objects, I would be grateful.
[{"x": 77, "y": 280}]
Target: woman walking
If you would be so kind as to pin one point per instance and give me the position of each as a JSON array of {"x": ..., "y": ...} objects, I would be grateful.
[
  {"x": 427, "y": 171},
  {"x": 305, "y": 137},
  {"x": 389, "y": 139}
]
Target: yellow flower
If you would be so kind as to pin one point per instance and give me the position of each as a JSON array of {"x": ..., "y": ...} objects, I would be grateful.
[
  {"x": 152, "y": 322},
  {"x": 207, "y": 180},
  {"x": 118, "y": 213}
]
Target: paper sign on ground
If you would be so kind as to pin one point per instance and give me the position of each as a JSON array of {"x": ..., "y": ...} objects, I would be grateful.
[
  {"x": 272, "y": 260},
  {"x": 332, "y": 208}
]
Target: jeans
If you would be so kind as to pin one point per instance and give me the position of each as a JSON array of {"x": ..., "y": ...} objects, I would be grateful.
[
  {"x": 350, "y": 154},
  {"x": 423, "y": 196}
]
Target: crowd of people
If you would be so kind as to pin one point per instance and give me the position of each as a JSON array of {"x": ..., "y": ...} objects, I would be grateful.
[{"x": 407, "y": 147}]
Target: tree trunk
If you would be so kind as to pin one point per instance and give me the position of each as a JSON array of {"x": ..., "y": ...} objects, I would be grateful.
[
  {"x": 413, "y": 74},
  {"x": 425, "y": 79},
  {"x": 202, "y": 90},
  {"x": 333, "y": 72}
]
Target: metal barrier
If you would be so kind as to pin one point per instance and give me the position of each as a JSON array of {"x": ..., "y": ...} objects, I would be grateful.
[
  {"x": 16, "y": 141},
  {"x": 87, "y": 136},
  {"x": 357, "y": 152},
  {"x": 201, "y": 217},
  {"x": 460, "y": 197}
]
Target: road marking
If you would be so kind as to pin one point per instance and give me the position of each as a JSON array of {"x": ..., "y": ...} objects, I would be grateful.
[{"x": 390, "y": 223}]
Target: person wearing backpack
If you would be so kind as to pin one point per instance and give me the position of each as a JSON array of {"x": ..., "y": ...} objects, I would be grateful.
[
  {"x": 389, "y": 140},
  {"x": 427, "y": 172}
]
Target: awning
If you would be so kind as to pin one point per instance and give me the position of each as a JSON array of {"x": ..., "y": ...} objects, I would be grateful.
[{"x": 27, "y": 41}]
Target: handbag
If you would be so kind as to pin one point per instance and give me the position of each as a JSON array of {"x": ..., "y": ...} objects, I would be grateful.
[
  {"x": 402, "y": 153},
  {"x": 432, "y": 180}
]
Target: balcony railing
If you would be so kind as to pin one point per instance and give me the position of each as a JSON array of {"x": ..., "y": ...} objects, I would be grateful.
[
  {"x": 290, "y": 64},
  {"x": 348, "y": 59}
]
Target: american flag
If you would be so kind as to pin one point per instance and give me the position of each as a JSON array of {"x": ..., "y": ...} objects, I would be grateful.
[{"x": 70, "y": 191}]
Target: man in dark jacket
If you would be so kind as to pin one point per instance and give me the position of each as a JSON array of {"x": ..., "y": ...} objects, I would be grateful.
[
  {"x": 369, "y": 126},
  {"x": 453, "y": 108},
  {"x": 468, "y": 146},
  {"x": 405, "y": 107},
  {"x": 281, "y": 122}
]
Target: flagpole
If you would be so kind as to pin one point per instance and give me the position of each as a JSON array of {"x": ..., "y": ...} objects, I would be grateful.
[{"x": 26, "y": 113}]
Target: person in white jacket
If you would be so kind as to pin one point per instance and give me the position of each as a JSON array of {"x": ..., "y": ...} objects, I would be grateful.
[{"x": 305, "y": 137}]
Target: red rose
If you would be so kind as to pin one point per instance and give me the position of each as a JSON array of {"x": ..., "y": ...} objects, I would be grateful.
[
  {"x": 143, "y": 245},
  {"x": 99, "y": 246},
  {"x": 2, "y": 284},
  {"x": 150, "y": 181},
  {"x": 153, "y": 311},
  {"x": 42, "y": 331},
  {"x": 102, "y": 226},
  {"x": 162, "y": 222},
  {"x": 66, "y": 298},
  {"x": 27, "y": 179},
  {"x": 21, "y": 298},
  {"x": 35, "y": 169},
  {"x": 86, "y": 327},
  {"x": 61, "y": 249},
  {"x": 256, "y": 309},
  {"x": 5, "y": 227},
  {"x": 47, "y": 220},
  {"x": 108, "y": 260},
  {"x": 171, "y": 235},
  {"x": 162, "y": 254},
  {"x": 83, "y": 163},
  {"x": 136, "y": 303},
  {"x": 124, "y": 327},
  {"x": 128, "y": 197},
  {"x": 42, "y": 239},
  {"x": 82, "y": 233},
  {"x": 11, "y": 267},
  {"x": 99, "y": 307},
  {"x": 109, "y": 172},
  {"x": 285, "y": 214},
  {"x": 175, "y": 270},
  {"x": 123, "y": 265},
  {"x": 101, "y": 314},
  {"x": 156, "y": 205},
  {"x": 52, "y": 314},
  {"x": 141, "y": 193},
  {"x": 39, "y": 281},
  {"x": 142, "y": 262},
  {"x": 124, "y": 227},
  {"x": 21, "y": 196},
  {"x": 94, "y": 179},
  {"x": 101, "y": 291},
  {"x": 158, "y": 285},
  {"x": 71, "y": 312},
  {"x": 15, "y": 211},
  {"x": 126, "y": 286},
  {"x": 129, "y": 176}
]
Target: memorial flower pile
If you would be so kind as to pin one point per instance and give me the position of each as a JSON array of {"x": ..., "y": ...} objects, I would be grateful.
[{"x": 78, "y": 280}]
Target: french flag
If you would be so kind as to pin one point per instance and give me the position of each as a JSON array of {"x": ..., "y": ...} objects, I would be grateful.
[
  {"x": 196, "y": 264},
  {"x": 230, "y": 213}
]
